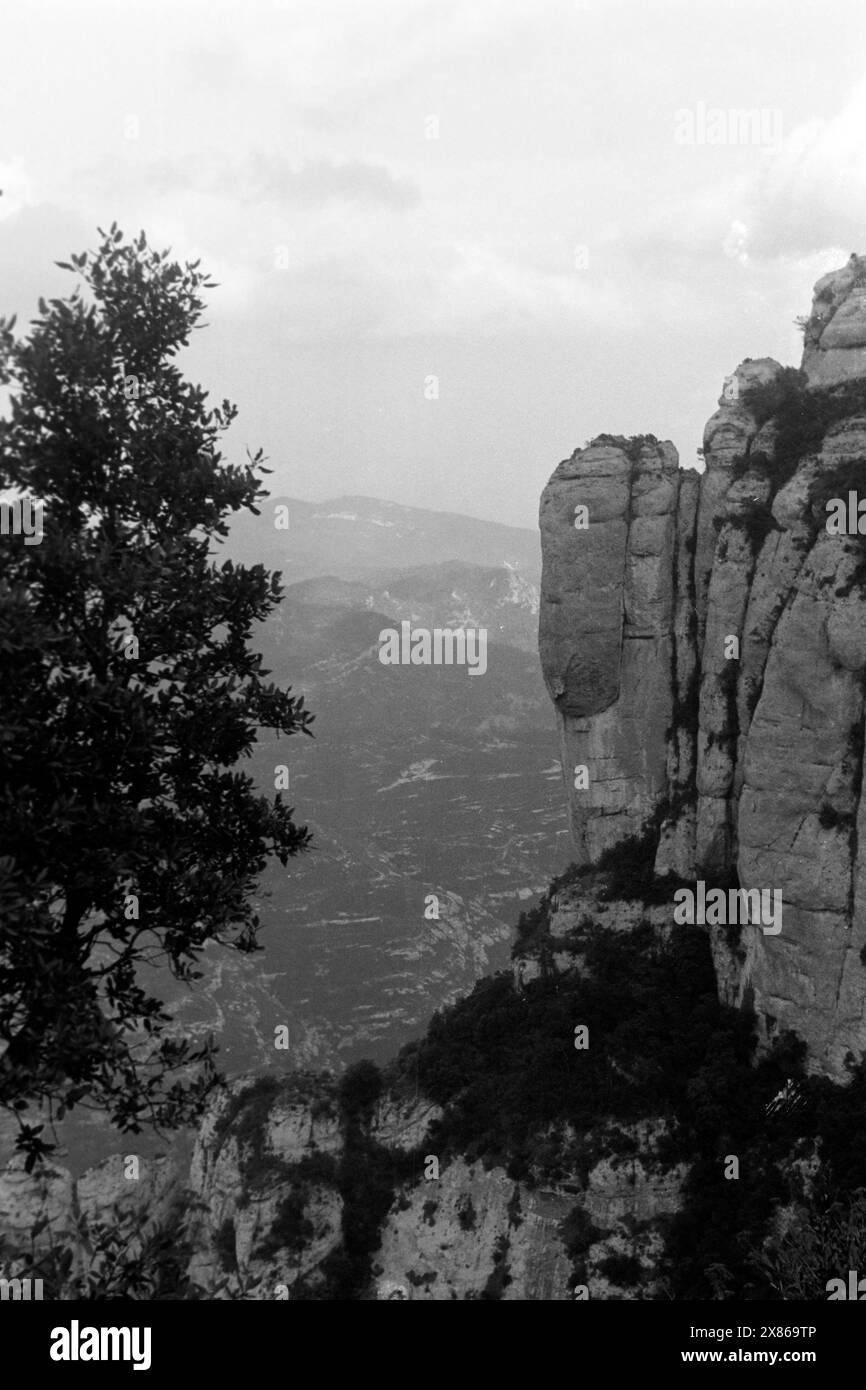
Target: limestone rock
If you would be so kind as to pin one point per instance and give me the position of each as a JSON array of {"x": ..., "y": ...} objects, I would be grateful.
[
  {"x": 835, "y": 337},
  {"x": 715, "y": 683},
  {"x": 606, "y": 631}
]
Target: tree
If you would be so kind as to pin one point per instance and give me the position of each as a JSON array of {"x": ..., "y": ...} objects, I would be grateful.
[
  {"x": 360, "y": 1088},
  {"x": 128, "y": 693}
]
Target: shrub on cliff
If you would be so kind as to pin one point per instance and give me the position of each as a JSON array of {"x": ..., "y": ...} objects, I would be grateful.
[
  {"x": 291, "y": 1228},
  {"x": 624, "y": 1270},
  {"x": 504, "y": 1066},
  {"x": 802, "y": 415},
  {"x": 629, "y": 865},
  {"x": 817, "y": 1246},
  {"x": 359, "y": 1089},
  {"x": 812, "y": 1155},
  {"x": 756, "y": 521},
  {"x": 532, "y": 929}
]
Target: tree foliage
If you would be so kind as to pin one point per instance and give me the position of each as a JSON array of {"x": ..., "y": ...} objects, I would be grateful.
[{"x": 129, "y": 694}]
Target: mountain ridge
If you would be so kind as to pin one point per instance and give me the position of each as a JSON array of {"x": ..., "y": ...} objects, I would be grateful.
[{"x": 357, "y": 535}]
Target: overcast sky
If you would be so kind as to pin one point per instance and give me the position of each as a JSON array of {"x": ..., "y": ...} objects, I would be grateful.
[{"x": 491, "y": 192}]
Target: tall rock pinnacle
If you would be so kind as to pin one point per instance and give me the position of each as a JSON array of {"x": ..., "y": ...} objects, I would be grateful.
[{"x": 703, "y": 639}]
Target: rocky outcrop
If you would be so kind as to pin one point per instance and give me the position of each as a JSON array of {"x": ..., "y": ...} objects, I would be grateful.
[
  {"x": 835, "y": 334},
  {"x": 606, "y": 628},
  {"x": 463, "y": 1232},
  {"x": 702, "y": 639},
  {"x": 261, "y": 1215}
]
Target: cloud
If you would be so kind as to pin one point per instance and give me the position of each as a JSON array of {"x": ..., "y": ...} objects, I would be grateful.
[
  {"x": 31, "y": 241},
  {"x": 259, "y": 178},
  {"x": 331, "y": 57},
  {"x": 364, "y": 227},
  {"x": 801, "y": 200},
  {"x": 318, "y": 181},
  {"x": 481, "y": 286},
  {"x": 17, "y": 189},
  {"x": 420, "y": 286},
  {"x": 735, "y": 242},
  {"x": 811, "y": 195}
]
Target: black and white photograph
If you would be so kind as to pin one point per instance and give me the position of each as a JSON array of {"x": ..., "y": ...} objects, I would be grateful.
[{"x": 432, "y": 672}]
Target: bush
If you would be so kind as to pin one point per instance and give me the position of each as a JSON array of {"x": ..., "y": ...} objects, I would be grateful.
[
  {"x": 106, "y": 1261},
  {"x": 631, "y": 445},
  {"x": 756, "y": 521},
  {"x": 532, "y": 929},
  {"x": 624, "y": 1270},
  {"x": 577, "y": 1232},
  {"x": 629, "y": 866},
  {"x": 816, "y": 1247},
  {"x": 802, "y": 417},
  {"x": 503, "y": 1064},
  {"x": 291, "y": 1229},
  {"x": 360, "y": 1088}
]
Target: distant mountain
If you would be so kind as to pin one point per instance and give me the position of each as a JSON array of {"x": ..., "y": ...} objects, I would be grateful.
[
  {"x": 420, "y": 781},
  {"x": 451, "y": 594},
  {"x": 352, "y": 537}
]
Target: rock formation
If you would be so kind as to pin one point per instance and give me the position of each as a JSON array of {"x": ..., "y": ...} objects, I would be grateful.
[
  {"x": 263, "y": 1216},
  {"x": 747, "y": 754}
]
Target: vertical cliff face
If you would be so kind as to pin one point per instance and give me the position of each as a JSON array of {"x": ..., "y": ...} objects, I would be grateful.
[
  {"x": 703, "y": 639},
  {"x": 607, "y": 628}
]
